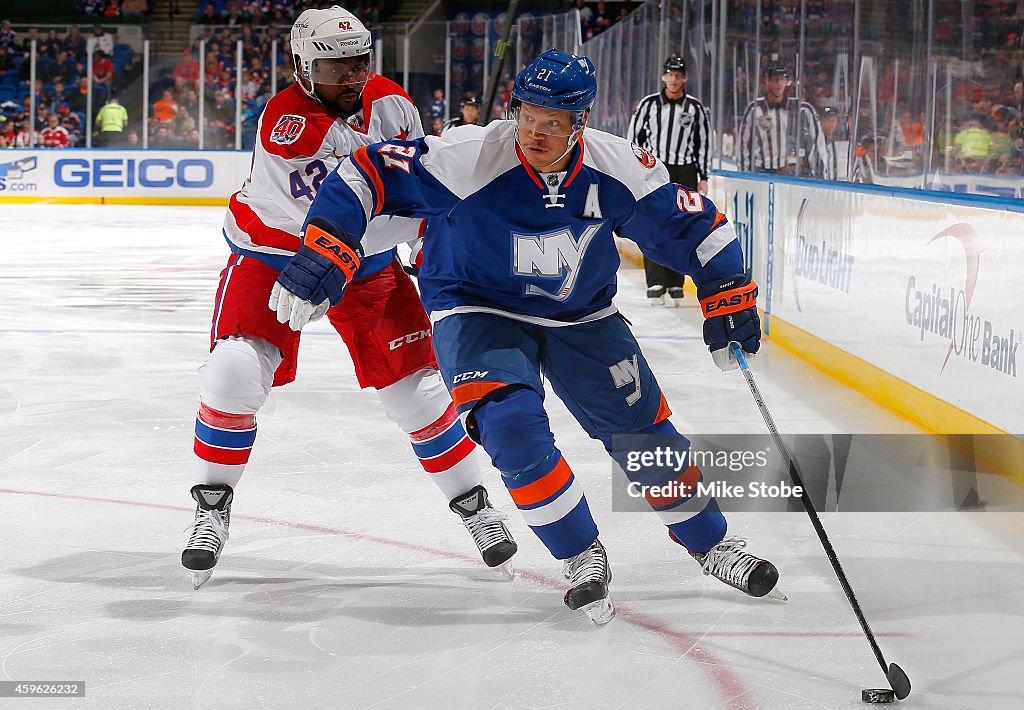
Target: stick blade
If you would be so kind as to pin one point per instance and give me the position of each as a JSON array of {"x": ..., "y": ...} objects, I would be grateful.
[{"x": 898, "y": 681}]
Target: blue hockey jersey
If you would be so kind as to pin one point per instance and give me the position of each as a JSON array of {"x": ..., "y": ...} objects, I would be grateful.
[{"x": 506, "y": 239}]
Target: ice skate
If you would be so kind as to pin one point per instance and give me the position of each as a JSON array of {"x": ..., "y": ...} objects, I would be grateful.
[
  {"x": 486, "y": 524},
  {"x": 209, "y": 531},
  {"x": 656, "y": 295},
  {"x": 728, "y": 562},
  {"x": 675, "y": 296},
  {"x": 589, "y": 576}
]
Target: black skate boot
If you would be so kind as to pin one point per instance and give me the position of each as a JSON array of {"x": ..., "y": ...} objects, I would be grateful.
[
  {"x": 728, "y": 562},
  {"x": 589, "y": 576},
  {"x": 676, "y": 296},
  {"x": 486, "y": 524},
  {"x": 209, "y": 531},
  {"x": 656, "y": 295}
]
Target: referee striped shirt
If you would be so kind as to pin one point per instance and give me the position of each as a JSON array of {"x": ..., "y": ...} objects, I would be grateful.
[
  {"x": 677, "y": 131},
  {"x": 775, "y": 138}
]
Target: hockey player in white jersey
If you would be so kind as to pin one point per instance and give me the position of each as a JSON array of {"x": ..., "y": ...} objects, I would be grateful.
[
  {"x": 334, "y": 106},
  {"x": 518, "y": 275}
]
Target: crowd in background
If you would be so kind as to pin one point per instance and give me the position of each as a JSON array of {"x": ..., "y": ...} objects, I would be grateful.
[
  {"x": 61, "y": 85},
  {"x": 982, "y": 134}
]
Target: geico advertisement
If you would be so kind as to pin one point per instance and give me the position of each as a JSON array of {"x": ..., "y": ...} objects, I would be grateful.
[
  {"x": 921, "y": 290},
  {"x": 87, "y": 173}
]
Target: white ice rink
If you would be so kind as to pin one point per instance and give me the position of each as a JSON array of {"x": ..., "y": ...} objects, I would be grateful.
[{"x": 347, "y": 583}]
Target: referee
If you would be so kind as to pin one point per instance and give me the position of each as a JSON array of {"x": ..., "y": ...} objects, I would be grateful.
[
  {"x": 675, "y": 127},
  {"x": 781, "y": 135}
]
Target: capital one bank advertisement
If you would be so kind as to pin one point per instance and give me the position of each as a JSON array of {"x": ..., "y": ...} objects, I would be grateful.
[{"x": 922, "y": 290}]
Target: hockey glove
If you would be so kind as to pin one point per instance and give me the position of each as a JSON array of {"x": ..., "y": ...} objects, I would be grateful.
[
  {"x": 315, "y": 278},
  {"x": 730, "y": 315}
]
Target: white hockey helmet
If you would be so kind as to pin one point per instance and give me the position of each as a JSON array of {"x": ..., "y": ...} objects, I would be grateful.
[{"x": 334, "y": 33}]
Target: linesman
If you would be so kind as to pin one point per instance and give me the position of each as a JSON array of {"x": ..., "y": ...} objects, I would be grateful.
[
  {"x": 469, "y": 113},
  {"x": 676, "y": 128},
  {"x": 781, "y": 135}
]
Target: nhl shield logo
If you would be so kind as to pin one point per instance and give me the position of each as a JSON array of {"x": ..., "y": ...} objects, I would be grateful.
[
  {"x": 644, "y": 156},
  {"x": 288, "y": 129}
]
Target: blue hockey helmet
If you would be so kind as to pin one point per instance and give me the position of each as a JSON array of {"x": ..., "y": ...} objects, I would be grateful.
[{"x": 559, "y": 81}]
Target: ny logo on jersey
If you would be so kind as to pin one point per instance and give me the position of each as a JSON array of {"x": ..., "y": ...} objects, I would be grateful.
[
  {"x": 625, "y": 373},
  {"x": 288, "y": 129},
  {"x": 552, "y": 255}
]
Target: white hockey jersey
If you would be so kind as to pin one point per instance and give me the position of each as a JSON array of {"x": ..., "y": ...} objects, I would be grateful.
[{"x": 299, "y": 143}]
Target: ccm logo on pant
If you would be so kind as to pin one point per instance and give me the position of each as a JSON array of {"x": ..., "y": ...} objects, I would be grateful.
[{"x": 406, "y": 339}]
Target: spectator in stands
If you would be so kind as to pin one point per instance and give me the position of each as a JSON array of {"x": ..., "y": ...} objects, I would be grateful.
[
  {"x": 112, "y": 8},
  {"x": 438, "y": 106},
  {"x": 26, "y": 44},
  {"x": 209, "y": 16},
  {"x": 71, "y": 122},
  {"x": 103, "y": 71},
  {"x": 50, "y": 46},
  {"x": 220, "y": 131},
  {"x": 22, "y": 135},
  {"x": 166, "y": 109},
  {"x": 54, "y": 135},
  {"x": 6, "y": 61},
  {"x": 187, "y": 68},
  {"x": 131, "y": 139},
  {"x": 972, "y": 145},
  {"x": 74, "y": 43},
  {"x": 58, "y": 95},
  {"x": 111, "y": 122},
  {"x": 911, "y": 132},
  {"x": 234, "y": 17},
  {"x": 101, "y": 41},
  {"x": 8, "y": 37},
  {"x": 90, "y": 8},
  {"x": 163, "y": 139},
  {"x": 134, "y": 9},
  {"x": 65, "y": 67}
]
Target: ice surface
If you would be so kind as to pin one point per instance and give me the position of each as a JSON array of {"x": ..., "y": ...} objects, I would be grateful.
[{"x": 348, "y": 584}]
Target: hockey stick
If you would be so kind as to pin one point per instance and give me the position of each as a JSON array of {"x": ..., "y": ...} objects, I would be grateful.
[
  {"x": 500, "y": 50},
  {"x": 897, "y": 678}
]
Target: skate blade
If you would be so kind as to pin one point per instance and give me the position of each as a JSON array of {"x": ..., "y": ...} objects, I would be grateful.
[
  {"x": 776, "y": 593},
  {"x": 201, "y": 577},
  {"x": 506, "y": 571},
  {"x": 600, "y": 612}
]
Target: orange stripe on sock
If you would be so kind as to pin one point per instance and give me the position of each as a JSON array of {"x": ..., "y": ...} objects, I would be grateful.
[
  {"x": 685, "y": 484},
  {"x": 472, "y": 391},
  {"x": 363, "y": 161},
  {"x": 544, "y": 487}
]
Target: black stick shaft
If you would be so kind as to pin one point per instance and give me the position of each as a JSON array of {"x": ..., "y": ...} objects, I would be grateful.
[
  {"x": 809, "y": 507},
  {"x": 498, "y": 64}
]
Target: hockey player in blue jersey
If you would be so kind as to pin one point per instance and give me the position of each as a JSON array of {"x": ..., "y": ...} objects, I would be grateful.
[{"x": 518, "y": 274}]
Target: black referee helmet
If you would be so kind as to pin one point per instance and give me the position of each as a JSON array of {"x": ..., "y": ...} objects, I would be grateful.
[
  {"x": 774, "y": 68},
  {"x": 470, "y": 100},
  {"x": 675, "y": 63}
]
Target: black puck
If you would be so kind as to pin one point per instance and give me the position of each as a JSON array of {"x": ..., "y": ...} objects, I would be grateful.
[{"x": 877, "y": 695}]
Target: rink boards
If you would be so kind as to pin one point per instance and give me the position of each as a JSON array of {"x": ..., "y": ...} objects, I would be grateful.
[{"x": 906, "y": 296}]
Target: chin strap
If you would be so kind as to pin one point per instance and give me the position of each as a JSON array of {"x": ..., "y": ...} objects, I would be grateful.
[{"x": 568, "y": 149}]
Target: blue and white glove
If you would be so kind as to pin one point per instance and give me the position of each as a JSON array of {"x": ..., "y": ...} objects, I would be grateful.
[
  {"x": 315, "y": 278},
  {"x": 730, "y": 312}
]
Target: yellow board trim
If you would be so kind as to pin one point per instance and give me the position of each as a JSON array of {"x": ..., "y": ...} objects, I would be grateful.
[
  {"x": 100, "y": 200},
  {"x": 1003, "y": 453}
]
